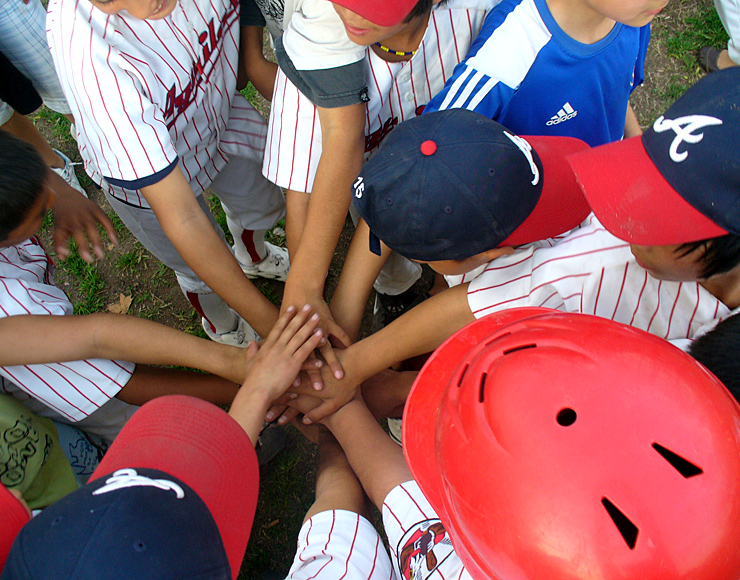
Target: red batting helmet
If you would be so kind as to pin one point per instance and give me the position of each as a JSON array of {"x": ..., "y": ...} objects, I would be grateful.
[{"x": 564, "y": 446}]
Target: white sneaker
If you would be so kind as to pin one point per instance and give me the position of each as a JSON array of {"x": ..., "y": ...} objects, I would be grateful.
[
  {"x": 274, "y": 266},
  {"x": 67, "y": 172},
  {"x": 395, "y": 429},
  {"x": 240, "y": 336}
]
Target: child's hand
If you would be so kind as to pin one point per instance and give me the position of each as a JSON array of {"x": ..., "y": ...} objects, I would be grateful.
[
  {"x": 273, "y": 365},
  {"x": 335, "y": 393}
]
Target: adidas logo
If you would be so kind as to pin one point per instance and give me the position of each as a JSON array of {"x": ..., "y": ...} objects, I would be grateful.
[{"x": 563, "y": 115}]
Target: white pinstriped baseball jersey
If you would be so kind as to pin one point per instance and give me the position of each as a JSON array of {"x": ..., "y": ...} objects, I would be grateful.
[
  {"x": 397, "y": 91},
  {"x": 146, "y": 94},
  {"x": 340, "y": 544},
  {"x": 70, "y": 391},
  {"x": 421, "y": 548},
  {"x": 589, "y": 270}
]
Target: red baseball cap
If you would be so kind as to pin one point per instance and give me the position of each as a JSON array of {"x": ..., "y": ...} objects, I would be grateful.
[
  {"x": 380, "y": 12},
  {"x": 14, "y": 516},
  {"x": 173, "y": 497},
  {"x": 680, "y": 181},
  {"x": 558, "y": 445}
]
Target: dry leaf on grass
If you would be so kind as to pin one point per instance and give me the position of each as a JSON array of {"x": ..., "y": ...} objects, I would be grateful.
[{"x": 124, "y": 303}]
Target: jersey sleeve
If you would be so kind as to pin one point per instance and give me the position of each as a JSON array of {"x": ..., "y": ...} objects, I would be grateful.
[
  {"x": 250, "y": 14},
  {"x": 315, "y": 53},
  {"x": 71, "y": 390},
  {"x": 118, "y": 125},
  {"x": 486, "y": 81}
]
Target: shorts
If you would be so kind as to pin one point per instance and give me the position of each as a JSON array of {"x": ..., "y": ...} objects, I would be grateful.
[{"x": 340, "y": 544}]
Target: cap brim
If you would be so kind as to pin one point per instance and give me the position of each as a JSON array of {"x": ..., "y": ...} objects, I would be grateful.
[
  {"x": 561, "y": 206},
  {"x": 420, "y": 431},
  {"x": 392, "y": 13},
  {"x": 634, "y": 201},
  {"x": 201, "y": 445},
  {"x": 14, "y": 517}
]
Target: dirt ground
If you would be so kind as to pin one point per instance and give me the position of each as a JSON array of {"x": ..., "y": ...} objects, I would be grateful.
[{"x": 129, "y": 271}]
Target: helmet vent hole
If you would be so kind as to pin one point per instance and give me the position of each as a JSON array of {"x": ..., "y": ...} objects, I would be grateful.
[
  {"x": 626, "y": 528},
  {"x": 462, "y": 376},
  {"x": 566, "y": 417},
  {"x": 683, "y": 466},
  {"x": 482, "y": 392},
  {"x": 518, "y": 348}
]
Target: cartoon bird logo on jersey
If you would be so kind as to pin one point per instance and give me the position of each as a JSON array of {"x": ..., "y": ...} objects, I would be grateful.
[{"x": 422, "y": 549}]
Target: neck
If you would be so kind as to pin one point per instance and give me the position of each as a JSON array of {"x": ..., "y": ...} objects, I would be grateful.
[
  {"x": 725, "y": 287},
  {"x": 579, "y": 21},
  {"x": 406, "y": 40}
]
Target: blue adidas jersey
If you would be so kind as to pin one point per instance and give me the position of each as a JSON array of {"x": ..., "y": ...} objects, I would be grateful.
[{"x": 526, "y": 73}]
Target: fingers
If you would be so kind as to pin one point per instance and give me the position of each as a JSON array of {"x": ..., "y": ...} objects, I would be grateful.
[
  {"x": 288, "y": 415},
  {"x": 323, "y": 410},
  {"x": 331, "y": 359}
]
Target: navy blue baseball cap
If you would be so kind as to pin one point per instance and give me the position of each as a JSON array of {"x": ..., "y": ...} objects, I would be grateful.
[
  {"x": 173, "y": 498},
  {"x": 452, "y": 184},
  {"x": 680, "y": 181}
]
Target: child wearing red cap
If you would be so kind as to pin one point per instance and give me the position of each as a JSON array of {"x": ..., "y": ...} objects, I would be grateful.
[{"x": 315, "y": 153}]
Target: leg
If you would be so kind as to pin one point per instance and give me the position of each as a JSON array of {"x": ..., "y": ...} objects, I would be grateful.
[
  {"x": 144, "y": 226},
  {"x": 23, "y": 41},
  {"x": 252, "y": 205},
  {"x": 729, "y": 14},
  {"x": 337, "y": 487},
  {"x": 335, "y": 540}
]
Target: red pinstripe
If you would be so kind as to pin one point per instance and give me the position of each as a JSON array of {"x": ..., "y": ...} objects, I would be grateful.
[
  {"x": 310, "y": 146},
  {"x": 673, "y": 309},
  {"x": 639, "y": 299},
  {"x": 621, "y": 289},
  {"x": 36, "y": 396},
  {"x": 351, "y": 549},
  {"x": 657, "y": 307}
]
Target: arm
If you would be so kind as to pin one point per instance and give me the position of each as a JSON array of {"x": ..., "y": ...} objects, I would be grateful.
[
  {"x": 274, "y": 367},
  {"x": 631, "y": 125},
  {"x": 188, "y": 228},
  {"x": 416, "y": 332},
  {"x": 147, "y": 383},
  {"x": 361, "y": 268},
  {"x": 46, "y": 339},
  {"x": 253, "y": 66},
  {"x": 341, "y": 159},
  {"x": 77, "y": 217}
]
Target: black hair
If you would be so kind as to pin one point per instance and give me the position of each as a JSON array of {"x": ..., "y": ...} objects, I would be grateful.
[
  {"x": 422, "y": 8},
  {"x": 717, "y": 350},
  {"x": 22, "y": 177},
  {"x": 719, "y": 255}
]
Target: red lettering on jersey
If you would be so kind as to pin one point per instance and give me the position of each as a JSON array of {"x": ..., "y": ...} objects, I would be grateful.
[{"x": 210, "y": 41}]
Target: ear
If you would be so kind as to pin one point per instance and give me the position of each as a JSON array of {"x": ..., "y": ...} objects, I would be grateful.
[{"x": 498, "y": 252}]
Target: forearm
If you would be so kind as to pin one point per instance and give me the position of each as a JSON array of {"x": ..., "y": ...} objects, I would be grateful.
[
  {"x": 191, "y": 233},
  {"x": 361, "y": 268},
  {"x": 331, "y": 194},
  {"x": 249, "y": 410},
  {"x": 419, "y": 331},
  {"x": 46, "y": 339},
  {"x": 255, "y": 68},
  {"x": 149, "y": 383},
  {"x": 377, "y": 460},
  {"x": 631, "y": 125}
]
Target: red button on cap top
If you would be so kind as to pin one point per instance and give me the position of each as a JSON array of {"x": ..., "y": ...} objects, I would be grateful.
[{"x": 428, "y": 147}]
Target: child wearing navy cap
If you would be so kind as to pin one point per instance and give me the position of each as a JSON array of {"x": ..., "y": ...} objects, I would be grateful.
[{"x": 676, "y": 185}]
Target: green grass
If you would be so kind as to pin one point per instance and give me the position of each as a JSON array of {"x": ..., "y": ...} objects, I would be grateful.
[
  {"x": 132, "y": 260},
  {"x": 704, "y": 29},
  {"x": 90, "y": 285}
]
